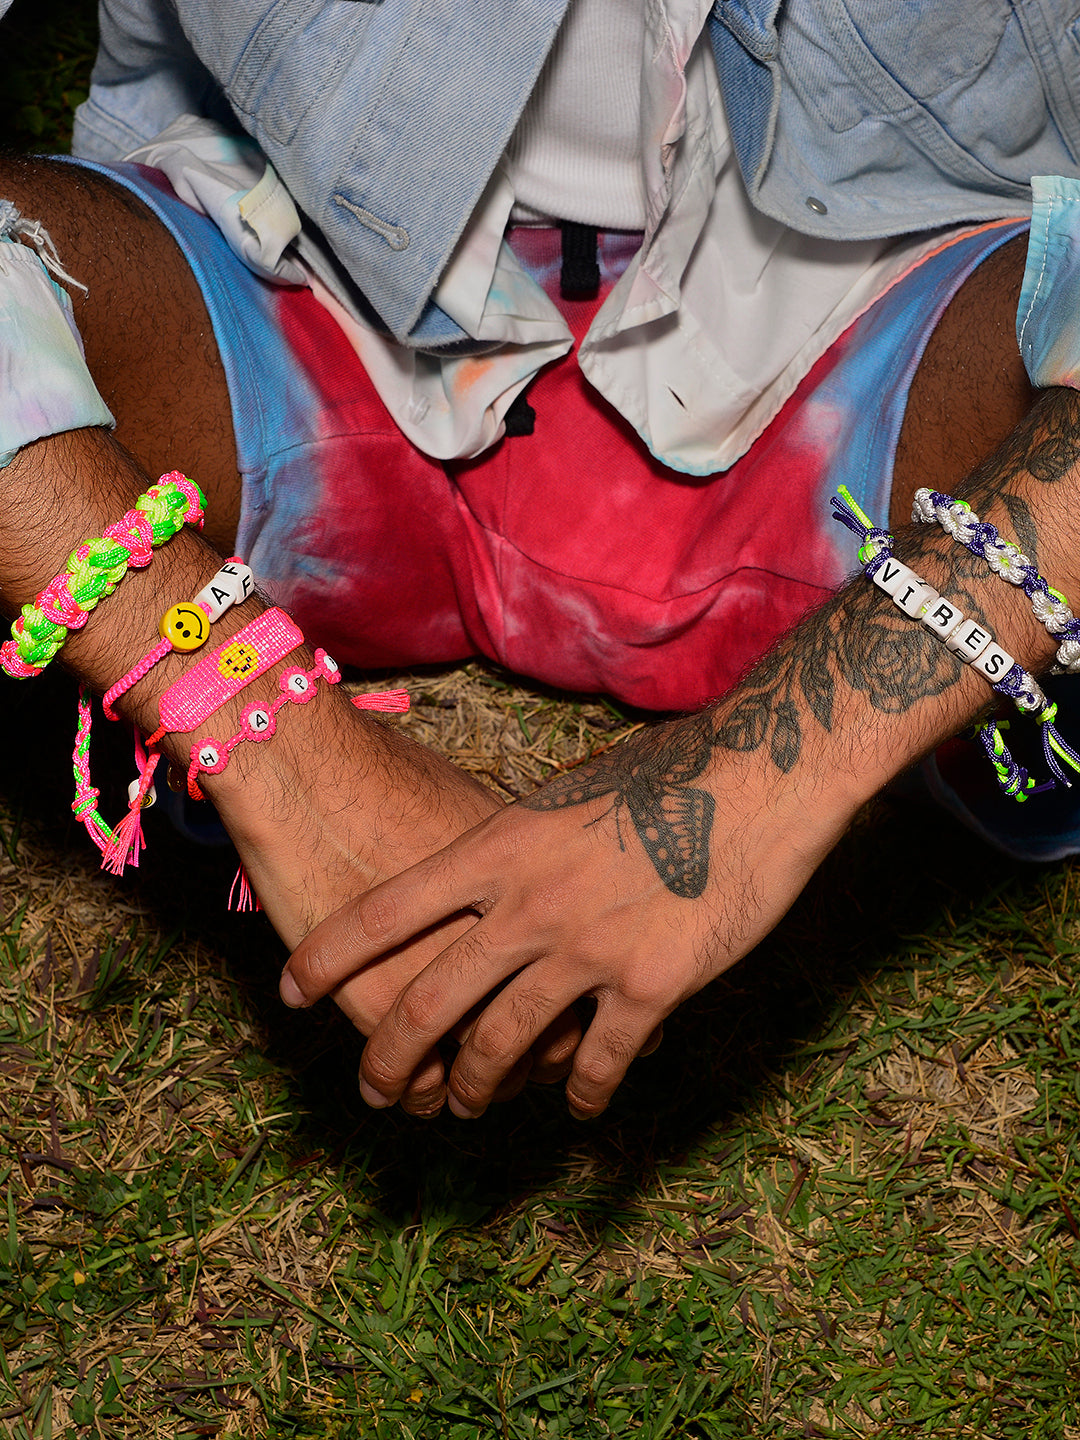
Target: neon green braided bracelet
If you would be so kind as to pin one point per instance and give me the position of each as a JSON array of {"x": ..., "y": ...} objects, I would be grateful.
[{"x": 95, "y": 568}]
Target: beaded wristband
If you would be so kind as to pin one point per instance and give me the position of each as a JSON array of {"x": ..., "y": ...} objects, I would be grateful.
[
  {"x": 1050, "y": 606},
  {"x": 224, "y": 673},
  {"x": 94, "y": 569},
  {"x": 970, "y": 641},
  {"x": 187, "y": 627},
  {"x": 257, "y": 721}
]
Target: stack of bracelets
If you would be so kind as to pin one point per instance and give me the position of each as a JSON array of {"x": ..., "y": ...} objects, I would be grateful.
[
  {"x": 970, "y": 640},
  {"x": 94, "y": 569}
]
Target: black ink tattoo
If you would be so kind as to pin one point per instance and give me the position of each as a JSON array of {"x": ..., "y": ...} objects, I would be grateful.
[
  {"x": 859, "y": 641},
  {"x": 651, "y": 780}
]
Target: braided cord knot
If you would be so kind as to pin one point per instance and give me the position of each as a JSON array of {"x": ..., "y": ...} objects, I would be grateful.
[
  {"x": 95, "y": 568},
  {"x": 976, "y": 645},
  {"x": 1049, "y": 606}
]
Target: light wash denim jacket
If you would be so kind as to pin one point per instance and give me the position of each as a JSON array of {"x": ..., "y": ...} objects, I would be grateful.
[{"x": 386, "y": 118}]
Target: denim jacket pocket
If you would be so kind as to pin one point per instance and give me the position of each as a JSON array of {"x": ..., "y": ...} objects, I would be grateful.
[{"x": 974, "y": 87}]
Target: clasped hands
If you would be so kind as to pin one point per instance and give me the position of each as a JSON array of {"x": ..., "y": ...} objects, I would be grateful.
[{"x": 630, "y": 882}]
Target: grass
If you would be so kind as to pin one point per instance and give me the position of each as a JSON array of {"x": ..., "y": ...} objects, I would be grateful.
[
  {"x": 843, "y": 1199},
  {"x": 44, "y": 71}
]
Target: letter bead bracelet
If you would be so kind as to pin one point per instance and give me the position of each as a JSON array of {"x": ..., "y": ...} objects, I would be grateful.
[
  {"x": 186, "y": 627},
  {"x": 970, "y": 640},
  {"x": 258, "y": 722}
]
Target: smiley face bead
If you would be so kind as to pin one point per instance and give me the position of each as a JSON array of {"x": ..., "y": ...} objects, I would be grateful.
[
  {"x": 186, "y": 627},
  {"x": 237, "y": 660}
]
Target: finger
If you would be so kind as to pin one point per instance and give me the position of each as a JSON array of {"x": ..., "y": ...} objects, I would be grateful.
[
  {"x": 506, "y": 1030},
  {"x": 425, "y": 1094},
  {"x": 515, "y": 1082},
  {"x": 372, "y": 924},
  {"x": 433, "y": 1003},
  {"x": 553, "y": 1051},
  {"x": 617, "y": 1035},
  {"x": 652, "y": 1044}
]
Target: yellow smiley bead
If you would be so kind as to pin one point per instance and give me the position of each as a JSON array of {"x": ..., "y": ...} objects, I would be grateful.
[
  {"x": 237, "y": 660},
  {"x": 186, "y": 627}
]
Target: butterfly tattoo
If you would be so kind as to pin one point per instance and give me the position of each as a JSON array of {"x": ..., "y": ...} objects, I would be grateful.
[{"x": 672, "y": 818}]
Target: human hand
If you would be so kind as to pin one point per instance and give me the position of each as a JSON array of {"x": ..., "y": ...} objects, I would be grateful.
[
  {"x": 633, "y": 880},
  {"x": 339, "y": 802}
]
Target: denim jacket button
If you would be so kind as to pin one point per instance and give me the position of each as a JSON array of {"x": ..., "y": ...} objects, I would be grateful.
[{"x": 818, "y": 206}]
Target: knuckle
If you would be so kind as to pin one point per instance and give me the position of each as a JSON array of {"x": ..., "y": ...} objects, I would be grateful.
[
  {"x": 490, "y": 1044},
  {"x": 417, "y": 1009},
  {"x": 600, "y": 1068},
  {"x": 591, "y": 1074},
  {"x": 379, "y": 1070},
  {"x": 529, "y": 1008},
  {"x": 471, "y": 952},
  {"x": 621, "y": 1047},
  {"x": 647, "y": 989},
  {"x": 469, "y": 1091},
  {"x": 377, "y": 917},
  {"x": 583, "y": 1106}
]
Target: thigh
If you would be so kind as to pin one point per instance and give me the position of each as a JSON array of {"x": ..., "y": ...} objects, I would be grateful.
[
  {"x": 970, "y": 390},
  {"x": 148, "y": 339}
]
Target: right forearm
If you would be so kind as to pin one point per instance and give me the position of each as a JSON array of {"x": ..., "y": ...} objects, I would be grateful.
[{"x": 334, "y": 802}]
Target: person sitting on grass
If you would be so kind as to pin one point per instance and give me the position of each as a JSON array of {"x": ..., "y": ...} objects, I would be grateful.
[{"x": 740, "y": 260}]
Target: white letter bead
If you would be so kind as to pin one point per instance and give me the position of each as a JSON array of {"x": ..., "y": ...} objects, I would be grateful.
[
  {"x": 942, "y": 618},
  {"x": 969, "y": 640},
  {"x": 915, "y": 597},
  {"x": 890, "y": 575},
  {"x": 239, "y": 575},
  {"x": 258, "y": 721},
  {"x": 994, "y": 663},
  {"x": 216, "y": 599}
]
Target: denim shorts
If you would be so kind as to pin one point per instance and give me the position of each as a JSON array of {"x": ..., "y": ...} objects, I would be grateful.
[{"x": 570, "y": 554}]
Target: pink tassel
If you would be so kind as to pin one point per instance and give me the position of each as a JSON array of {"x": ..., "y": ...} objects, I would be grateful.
[
  {"x": 247, "y": 899},
  {"x": 126, "y": 845},
  {"x": 394, "y": 701},
  {"x": 128, "y": 841}
]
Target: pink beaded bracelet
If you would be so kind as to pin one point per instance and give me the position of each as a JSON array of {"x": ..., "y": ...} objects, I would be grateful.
[{"x": 257, "y": 721}]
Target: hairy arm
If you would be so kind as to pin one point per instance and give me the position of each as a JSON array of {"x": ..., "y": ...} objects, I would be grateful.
[
  {"x": 641, "y": 876},
  {"x": 336, "y": 802}
]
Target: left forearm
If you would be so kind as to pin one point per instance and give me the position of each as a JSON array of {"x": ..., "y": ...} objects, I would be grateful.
[{"x": 861, "y": 685}]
